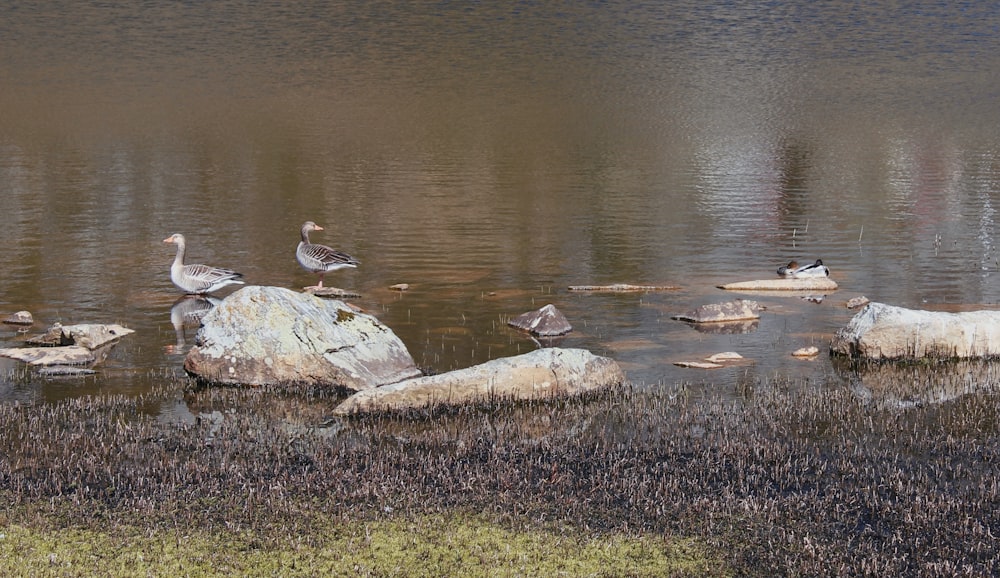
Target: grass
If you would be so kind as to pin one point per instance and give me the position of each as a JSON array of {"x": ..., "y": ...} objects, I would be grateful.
[
  {"x": 787, "y": 480},
  {"x": 430, "y": 545}
]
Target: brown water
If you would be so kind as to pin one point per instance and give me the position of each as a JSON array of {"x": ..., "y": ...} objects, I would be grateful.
[{"x": 491, "y": 156}]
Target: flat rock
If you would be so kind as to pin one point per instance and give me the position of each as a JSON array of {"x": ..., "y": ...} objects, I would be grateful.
[
  {"x": 46, "y": 356},
  {"x": 880, "y": 331},
  {"x": 621, "y": 288},
  {"x": 88, "y": 335},
  {"x": 737, "y": 310},
  {"x": 545, "y": 322},
  {"x": 19, "y": 318},
  {"x": 334, "y": 292},
  {"x": 541, "y": 373},
  {"x": 786, "y": 284},
  {"x": 811, "y": 351},
  {"x": 65, "y": 371},
  {"x": 275, "y": 336}
]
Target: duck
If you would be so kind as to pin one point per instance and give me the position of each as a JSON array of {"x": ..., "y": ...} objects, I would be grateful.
[
  {"x": 794, "y": 271},
  {"x": 198, "y": 279},
  {"x": 320, "y": 259}
]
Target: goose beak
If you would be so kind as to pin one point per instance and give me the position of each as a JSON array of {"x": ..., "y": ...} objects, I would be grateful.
[{"x": 317, "y": 228}]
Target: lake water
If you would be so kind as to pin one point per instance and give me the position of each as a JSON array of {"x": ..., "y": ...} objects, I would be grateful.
[{"x": 492, "y": 156}]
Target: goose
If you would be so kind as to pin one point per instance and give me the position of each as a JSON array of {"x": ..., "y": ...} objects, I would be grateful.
[
  {"x": 793, "y": 270},
  {"x": 198, "y": 279},
  {"x": 320, "y": 258}
]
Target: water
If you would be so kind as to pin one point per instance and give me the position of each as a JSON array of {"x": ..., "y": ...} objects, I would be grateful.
[{"x": 491, "y": 156}]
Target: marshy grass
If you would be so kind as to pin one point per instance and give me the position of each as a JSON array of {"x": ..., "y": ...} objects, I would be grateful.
[{"x": 785, "y": 480}]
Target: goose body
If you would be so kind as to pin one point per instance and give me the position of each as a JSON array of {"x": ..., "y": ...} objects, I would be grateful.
[
  {"x": 794, "y": 271},
  {"x": 320, "y": 259},
  {"x": 198, "y": 279}
]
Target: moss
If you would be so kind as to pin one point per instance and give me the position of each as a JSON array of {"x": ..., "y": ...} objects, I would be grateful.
[
  {"x": 344, "y": 316},
  {"x": 432, "y": 545}
]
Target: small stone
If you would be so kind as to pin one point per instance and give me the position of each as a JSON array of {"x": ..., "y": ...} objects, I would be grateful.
[
  {"x": 400, "y": 287},
  {"x": 811, "y": 351},
  {"x": 20, "y": 318},
  {"x": 856, "y": 302},
  {"x": 545, "y": 322}
]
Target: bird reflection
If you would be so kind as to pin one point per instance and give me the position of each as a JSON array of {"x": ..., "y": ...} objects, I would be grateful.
[{"x": 187, "y": 312}]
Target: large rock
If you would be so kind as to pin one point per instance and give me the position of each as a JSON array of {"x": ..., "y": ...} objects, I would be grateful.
[
  {"x": 881, "y": 331},
  {"x": 541, "y": 373},
  {"x": 274, "y": 336}
]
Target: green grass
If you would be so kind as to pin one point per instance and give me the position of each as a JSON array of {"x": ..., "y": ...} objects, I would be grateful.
[{"x": 437, "y": 545}]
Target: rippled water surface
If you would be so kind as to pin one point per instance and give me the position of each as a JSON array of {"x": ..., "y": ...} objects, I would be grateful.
[{"x": 492, "y": 156}]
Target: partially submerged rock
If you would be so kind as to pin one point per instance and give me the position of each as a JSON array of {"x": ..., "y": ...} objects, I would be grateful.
[
  {"x": 89, "y": 335},
  {"x": 881, "y": 331},
  {"x": 545, "y": 322},
  {"x": 44, "y": 356},
  {"x": 274, "y": 336},
  {"x": 19, "y": 318},
  {"x": 69, "y": 345},
  {"x": 65, "y": 371},
  {"x": 855, "y": 302},
  {"x": 806, "y": 352},
  {"x": 541, "y": 373},
  {"x": 334, "y": 292},
  {"x": 621, "y": 288},
  {"x": 785, "y": 284},
  {"x": 738, "y": 310},
  {"x": 715, "y": 361}
]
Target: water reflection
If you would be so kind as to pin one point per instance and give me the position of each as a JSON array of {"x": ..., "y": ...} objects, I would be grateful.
[
  {"x": 904, "y": 385},
  {"x": 186, "y": 313}
]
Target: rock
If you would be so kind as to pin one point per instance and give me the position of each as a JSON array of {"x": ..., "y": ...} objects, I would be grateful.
[
  {"x": 541, "y": 373},
  {"x": 728, "y": 327},
  {"x": 19, "y": 318},
  {"x": 334, "y": 292},
  {"x": 47, "y": 356},
  {"x": 699, "y": 364},
  {"x": 545, "y": 322},
  {"x": 811, "y": 351},
  {"x": 65, "y": 371},
  {"x": 622, "y": 288},
  {"x": 724, "y": 356},
  {"x": 274, "y": 336},
  {"x": 714, "y": 361},
  {"x": 400, "y": 287},
  {"x": 89, "y": 335},
  {"x": 787, "y": 284},
  {"x": 881, "y": 331},
  {"x": 731, "y": 311},
  {"x": 855, "y": 302}
]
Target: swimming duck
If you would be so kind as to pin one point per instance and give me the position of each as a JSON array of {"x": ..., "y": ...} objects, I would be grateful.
[
  {"x": 794, "y": 271},
  {"x": 320, "y": 258},
  {"x": 198, "y": 279}
]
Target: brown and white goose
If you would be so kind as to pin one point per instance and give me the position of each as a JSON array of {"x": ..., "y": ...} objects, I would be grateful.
[
  {"x": 198, "y": 279},
  {"x": 320, "y": 259}
]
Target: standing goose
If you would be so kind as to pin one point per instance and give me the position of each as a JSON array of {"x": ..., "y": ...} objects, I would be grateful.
[
  {"x": 198, "y": 279},
  {"x": 320, "y": 258}
]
